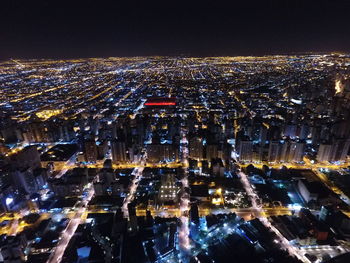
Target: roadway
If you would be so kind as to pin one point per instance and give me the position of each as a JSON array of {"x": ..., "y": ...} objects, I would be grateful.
[
  {"x": 184, "y": 232},
  {"x": 68, "y": 232},
  {"x": 246, "y": 213},
  {"x": 284, "y": 243},
  {"x": 137, "y": 174}
]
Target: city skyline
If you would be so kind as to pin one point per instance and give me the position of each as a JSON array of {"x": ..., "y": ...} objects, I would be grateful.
[
  {"x": 175, "y": 159},
  {"x": 175, "y": 132}
]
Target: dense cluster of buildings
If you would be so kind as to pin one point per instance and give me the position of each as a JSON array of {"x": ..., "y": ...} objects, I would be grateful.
[{"x": 175, "y": 159}]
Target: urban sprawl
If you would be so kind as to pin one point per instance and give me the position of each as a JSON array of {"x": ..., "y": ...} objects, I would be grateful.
[{"x": 175, "y": 159}]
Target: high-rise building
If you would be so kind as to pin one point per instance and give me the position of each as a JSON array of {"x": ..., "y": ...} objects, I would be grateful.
[
  {"x": 340, "y": 149},
  {"x": 195, "y": 148},
  {"x": 315, "y": 134},
  {"x": 341, "y": 129},
  {"x": 194, "y": 214},
  {"x": 28, "y": 157},
  {"x": 90, "y": 151},
  {"x": 263, "y": 135},
  {"x": 290, "y": 131},
  {"x": 296, "y": 151},
  {"x": 333, "y": 152},
  {"x": 258, "y": 154},
  {"x": 39, "y": 132},
  {"x": 284, "y": 154},
  {"x": 292, "y": 151},
  {"x": 118, "y": 151},
  {"x": 211, "y": 151},
  {"x": 245, "y": 151},
  {"x": 162, "y": 152},
  {"x": 102, "y": 148},
  {"x": 324, "y": 153},
  {"x": 304, "y": 132},
  {"x": 10, "y": 134},
  {"x": 25, "y": 181},
  {"x": 274, "y": 154}
]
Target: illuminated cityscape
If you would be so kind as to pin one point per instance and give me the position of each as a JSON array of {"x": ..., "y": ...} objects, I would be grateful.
[{"x": 175, "y": 159}]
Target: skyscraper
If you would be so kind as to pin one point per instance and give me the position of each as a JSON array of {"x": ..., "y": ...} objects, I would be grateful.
[
  {"x": 195, "y": 147},
  {"x": 162, "y": 152},
  {"x": 263, "y": 135},
  {"x": 324, "y": 153},
  {"x": 245, "y": 151},
  {"x": 274, "y": 154},
  {"x": 296, "y": 151},
  {"x": 90, "y": 151},
  {"x": 211, "y": 152},
  {"x": 340, "y": 149},
  {"x": 28, "y": 157},
  {"x": 284, "y": 154},
  {"x": 118, "y": 151}
]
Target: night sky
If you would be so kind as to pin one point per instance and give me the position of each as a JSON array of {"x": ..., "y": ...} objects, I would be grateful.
[{"x": 63, "y": 29}]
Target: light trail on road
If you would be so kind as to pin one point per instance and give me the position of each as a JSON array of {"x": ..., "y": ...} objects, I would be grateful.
[
  {"x": 184, "y": 232},
  {"x": 67, "y": 234},
  {"x": 137, "y": 173},
  {"x": 293, "y": 251},
  {"x": 68, "y": 165}
]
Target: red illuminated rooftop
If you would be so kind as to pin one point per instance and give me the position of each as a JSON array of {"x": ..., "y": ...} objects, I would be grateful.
[{"x": 160, "y": 102}]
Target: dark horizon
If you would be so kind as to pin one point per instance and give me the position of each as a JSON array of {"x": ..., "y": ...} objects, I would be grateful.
[
  {"x": 179, "y": 56},
  {"x": 46, "y": 29}
]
